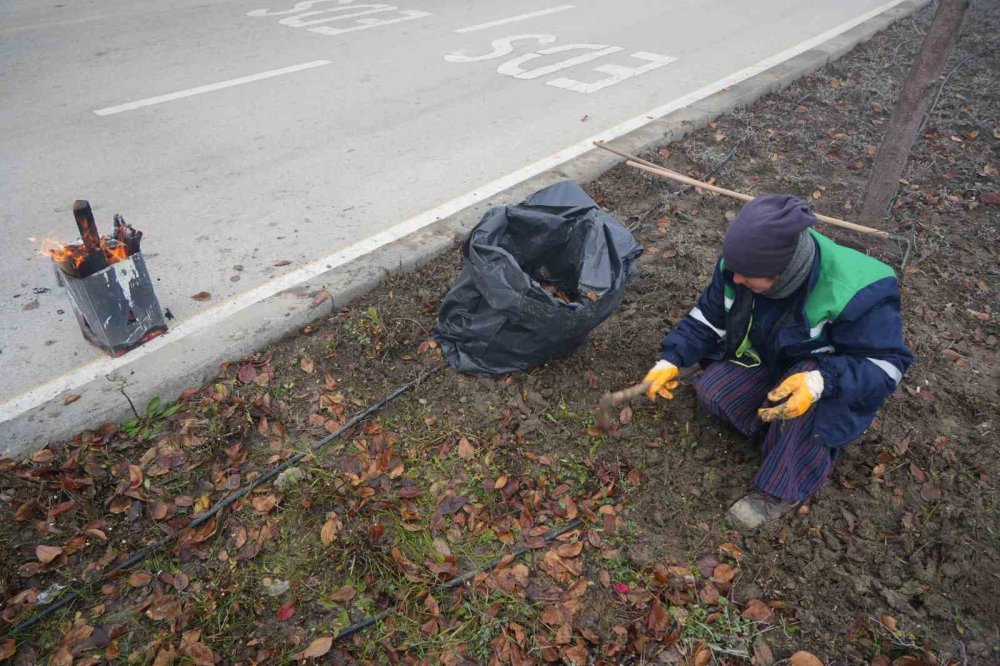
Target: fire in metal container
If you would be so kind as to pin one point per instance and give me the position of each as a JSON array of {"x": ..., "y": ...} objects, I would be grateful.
[{"x": 108, "y": 284}]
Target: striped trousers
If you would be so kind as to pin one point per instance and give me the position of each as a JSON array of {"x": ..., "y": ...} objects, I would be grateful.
[{"x": 794, "y": 466}]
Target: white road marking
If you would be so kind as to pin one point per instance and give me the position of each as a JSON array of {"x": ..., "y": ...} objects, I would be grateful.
[
  {"x": 104, "y": 367},
  {"x": 149, "y": 101},
  {"x": 513, "y": 19},
  {"x": 618, "y": 73},
  {"x": 505, "y": 46}
]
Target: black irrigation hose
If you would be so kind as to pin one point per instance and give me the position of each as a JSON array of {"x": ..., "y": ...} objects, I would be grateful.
[
  {"x": 142, "y": 553},
  {"x": 458, "y": 580}
]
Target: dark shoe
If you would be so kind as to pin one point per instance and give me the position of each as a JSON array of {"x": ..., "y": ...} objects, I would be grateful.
[{"x": 757, "y": 508}]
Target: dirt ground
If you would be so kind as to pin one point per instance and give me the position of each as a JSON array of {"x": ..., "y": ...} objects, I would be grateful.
[{"x": 897, "y": 561}]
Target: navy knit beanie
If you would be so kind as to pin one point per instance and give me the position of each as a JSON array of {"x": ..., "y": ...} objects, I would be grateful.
[{"x": 762, "y": 238}]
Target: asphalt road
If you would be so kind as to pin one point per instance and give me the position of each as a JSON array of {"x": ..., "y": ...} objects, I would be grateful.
[{"x": 249, "y": 137}]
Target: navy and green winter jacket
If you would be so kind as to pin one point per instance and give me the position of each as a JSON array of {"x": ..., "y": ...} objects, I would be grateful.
[{"x": 846, "y": 317}]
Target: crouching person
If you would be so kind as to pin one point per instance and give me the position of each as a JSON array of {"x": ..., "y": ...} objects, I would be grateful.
[{"x": 801, "y": 340}]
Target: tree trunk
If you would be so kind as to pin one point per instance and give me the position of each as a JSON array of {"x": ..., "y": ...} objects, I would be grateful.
[{"x": 910, "y": 109}]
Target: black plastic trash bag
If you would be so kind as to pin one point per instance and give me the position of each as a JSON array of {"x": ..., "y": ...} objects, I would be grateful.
[{"x": 498, "y": 318}]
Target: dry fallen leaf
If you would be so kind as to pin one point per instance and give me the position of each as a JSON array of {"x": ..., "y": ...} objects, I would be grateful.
[
  {"x": 762, "y": 654},
  {"x": 28, "y": 510},
  {"x": 625, "y": 417},
  {"x": 346, "y": 593},
  {"x": 989, "y": 198},
  {"x": 199, "y": 653},
  {"x": 164, "y": 607},
  {"x": 930, "y": 492},
  {"x": 202, "y": 296},
  {"x": 724, "y": 573},
  {"x": 264, "y": 503},
  {"x": 732, "y": 550},
  {"x": 134, "y": 476},
  {"x": 140, "y": 579},
  {"x": 286, "y": 611},
  {"x": 307, "y": 365},
  {"x": 908, "y": 660},
  {"x": 501, "y": 482},
  {"x": 247, "y": 373},
  {"x": 7, "y": 648},
  {"x": 702, "y": 655},
  {"x": 574, "y": 655},
  {"x": 328, "y": 533},
  {"x": 465, "y": 449},
  {"x": 758, "y": 611},
  {"x": 158, "y": 509},
  {"x": 43, "y": 456},
  {"x": 70, "y": 399},
  {"x": 889, "y": 622},
  {"x": 803, "y": 658},
  {"x": 46, "y": 554},
  {"x": 317, "y": 648},
  {"x": 570, "y": 549},
  {"x": 320, "y": 298}
]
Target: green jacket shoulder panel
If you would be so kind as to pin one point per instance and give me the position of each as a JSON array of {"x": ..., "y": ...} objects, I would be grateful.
[{"x": 843, "y": 272}]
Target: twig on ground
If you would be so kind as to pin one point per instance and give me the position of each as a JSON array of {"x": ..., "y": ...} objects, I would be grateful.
[
  {"x": 422, "y": 327},
  {"x": 944, "y": 82}
]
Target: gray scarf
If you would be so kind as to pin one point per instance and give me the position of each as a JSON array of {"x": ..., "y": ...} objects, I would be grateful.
[{"x": 797, "y": 272}]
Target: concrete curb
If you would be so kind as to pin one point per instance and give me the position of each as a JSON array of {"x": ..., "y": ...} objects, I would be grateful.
[{"x": 180, "y": 360}]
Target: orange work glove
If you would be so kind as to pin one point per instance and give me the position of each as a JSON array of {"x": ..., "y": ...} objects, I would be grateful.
[
  {"x": 802, "y": 389},
  {"x": 662, "y": 379}
]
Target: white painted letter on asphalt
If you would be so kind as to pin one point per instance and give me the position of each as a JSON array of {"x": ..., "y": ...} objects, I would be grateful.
[
  {"x": 618, "y": 73},
  {"x": 297, "y": 22},
  {"x": 301, "y": 12},
  {"x": 501, "y": 47},
  {"x": 299, "y": 7},
  {"x": 365, "y": 24},
  {"x": 513, "y": 66}
]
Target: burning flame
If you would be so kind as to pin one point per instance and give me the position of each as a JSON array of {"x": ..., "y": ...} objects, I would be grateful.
[{"x": 75, "y": 253}]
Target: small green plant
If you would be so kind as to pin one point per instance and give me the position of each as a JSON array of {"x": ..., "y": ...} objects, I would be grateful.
[
  {"x": 728, "y": 634},
  {"x": 146, "y": 425},
  {"x": 367, "y": 328}
]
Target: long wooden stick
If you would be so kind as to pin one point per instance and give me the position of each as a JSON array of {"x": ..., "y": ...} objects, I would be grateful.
[{"x": 657, "y": 170}]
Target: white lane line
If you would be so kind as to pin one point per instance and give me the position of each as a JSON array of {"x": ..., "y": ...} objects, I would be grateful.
[
  {"x": 106, "y": 366},
  {"x": 519, "y": 17},
  {"x": 149, "y": 101}
]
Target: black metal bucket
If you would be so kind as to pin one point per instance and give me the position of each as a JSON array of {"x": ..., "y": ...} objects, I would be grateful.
[{"x": 116, "y": 307}]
